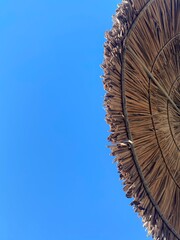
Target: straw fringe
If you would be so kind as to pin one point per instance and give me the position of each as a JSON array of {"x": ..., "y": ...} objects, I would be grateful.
[{"x": 144, "y": 126}]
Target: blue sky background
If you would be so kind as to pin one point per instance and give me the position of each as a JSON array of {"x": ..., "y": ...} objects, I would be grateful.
[{"x": 57, "y": 180}]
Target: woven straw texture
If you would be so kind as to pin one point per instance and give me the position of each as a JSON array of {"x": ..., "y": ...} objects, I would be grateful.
[{"x": 142, "y": 83}]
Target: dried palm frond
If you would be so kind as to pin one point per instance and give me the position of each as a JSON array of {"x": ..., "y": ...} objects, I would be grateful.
[{"x": 142, "y": 80}]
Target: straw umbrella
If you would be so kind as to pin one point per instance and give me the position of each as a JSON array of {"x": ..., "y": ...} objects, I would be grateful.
[{"x": 142, "y": 80}]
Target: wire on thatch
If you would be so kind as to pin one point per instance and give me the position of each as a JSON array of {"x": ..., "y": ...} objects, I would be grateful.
[{"x": 142, "y": 80}]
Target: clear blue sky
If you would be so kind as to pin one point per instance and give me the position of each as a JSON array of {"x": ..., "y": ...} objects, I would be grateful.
[{"x": 57, "y": 180}]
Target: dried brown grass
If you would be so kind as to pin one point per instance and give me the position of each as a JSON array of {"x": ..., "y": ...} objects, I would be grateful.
[{"x": 142, "y": 80}]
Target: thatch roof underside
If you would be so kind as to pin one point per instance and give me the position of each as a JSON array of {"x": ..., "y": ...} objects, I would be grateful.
[{"x": 142, "y": 80}]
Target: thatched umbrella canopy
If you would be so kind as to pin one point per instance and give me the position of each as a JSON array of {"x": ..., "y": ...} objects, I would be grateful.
[{"x": 142, "y": 80}]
